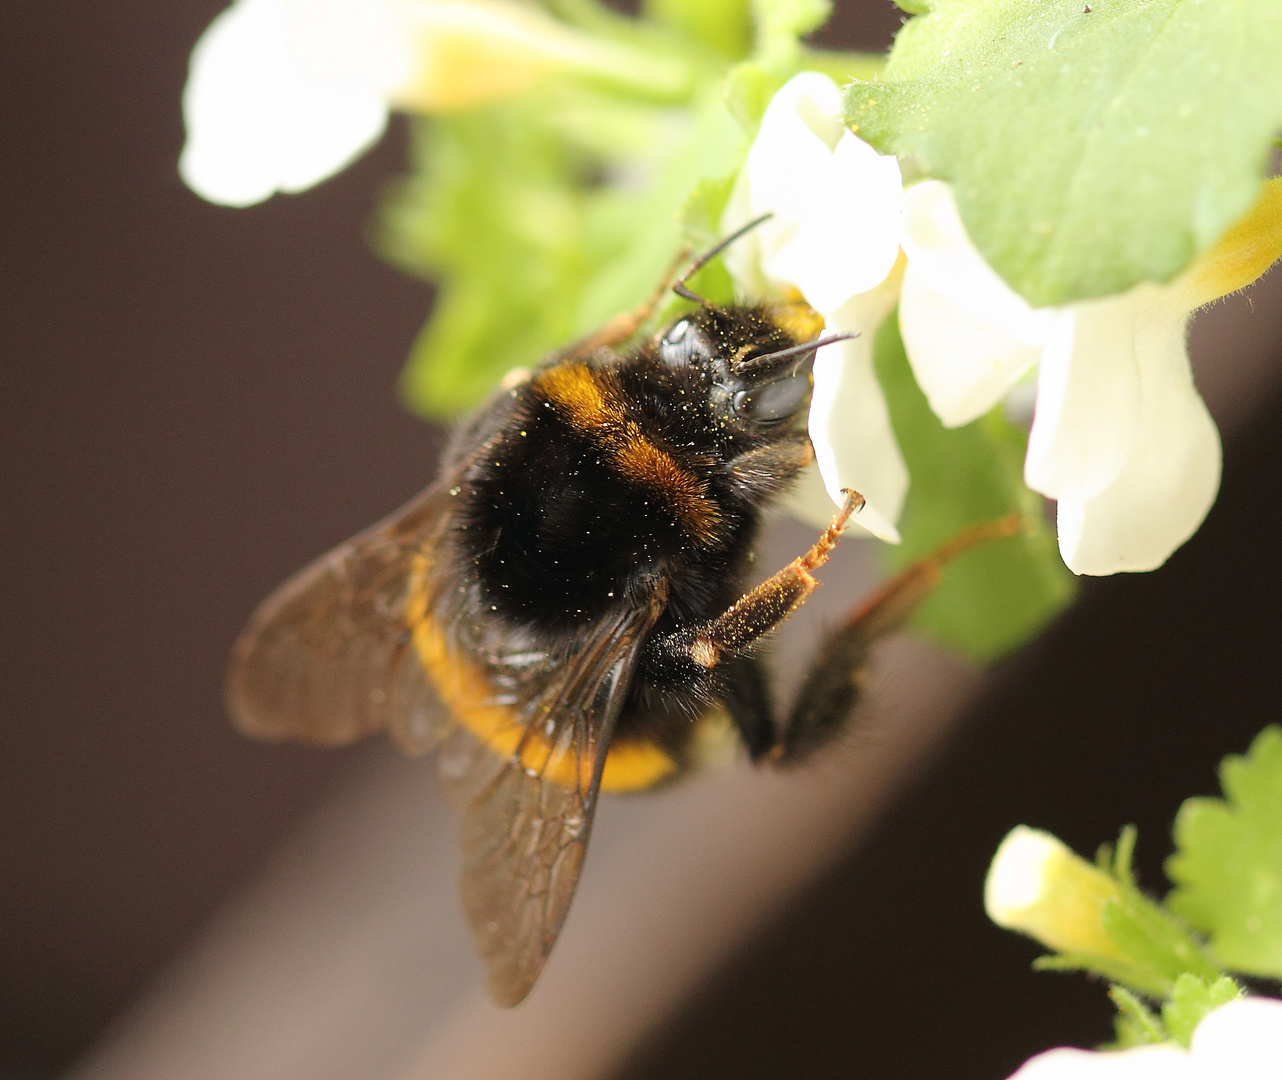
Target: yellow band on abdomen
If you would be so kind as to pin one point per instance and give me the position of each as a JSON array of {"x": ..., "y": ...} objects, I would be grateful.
[{"x": 630, "y": 765}]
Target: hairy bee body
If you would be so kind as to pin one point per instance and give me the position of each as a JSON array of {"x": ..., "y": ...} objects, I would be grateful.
[
  {"x": 579, "y": 489},
  {"x": 562, "y": 612}
]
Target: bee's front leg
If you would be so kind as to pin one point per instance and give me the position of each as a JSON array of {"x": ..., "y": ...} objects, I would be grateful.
[
  {"x": 719, "y": 648},
  {"x": 736, "y": 630}
]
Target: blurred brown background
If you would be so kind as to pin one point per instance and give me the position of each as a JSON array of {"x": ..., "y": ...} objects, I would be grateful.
[{"x": 197, "y": 400}]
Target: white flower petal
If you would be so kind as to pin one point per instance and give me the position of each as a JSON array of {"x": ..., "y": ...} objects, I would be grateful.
[
  {"x": 849, "y": 239},
  {"x": 968, "y": 335},
  {"x": 365, "y": 41},
  {"x": 1238, "y": 1041},
  {"x": 256, "y": 123},
  {"x": 936, "y": 241},
  {"x": 1019, "y": 875},
  {"x": 1161, "y": 1062},
  {"x": 790, "y": 155},
  {"x": 963, "y": 365},
  {"x": 1088, "y": 399},
  {"x": 810, "y": 99},
  {"x": 850, "y": 426},
  {"x": 1172, "y": 474},
  {"x": 807, "y": 499},
  {"x": 1242, "y": 1040}
]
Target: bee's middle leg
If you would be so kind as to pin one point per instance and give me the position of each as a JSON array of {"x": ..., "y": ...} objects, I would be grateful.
[{"x": 749, "y": 705}]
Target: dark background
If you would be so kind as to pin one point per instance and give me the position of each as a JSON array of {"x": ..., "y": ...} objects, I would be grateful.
[{"x": 197, "y": 400}]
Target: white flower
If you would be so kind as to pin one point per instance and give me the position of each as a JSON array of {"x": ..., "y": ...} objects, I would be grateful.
[
  {"x": 1238, "y": 1041},
  {"x": 834, "y": 236},
  {"x": 1120, "y": 436},
  {"x": 284, "y": 93}
]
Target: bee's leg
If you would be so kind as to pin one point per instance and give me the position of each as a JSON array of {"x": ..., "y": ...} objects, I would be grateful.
[
  {"x": 838, "y": 674},
  {"x": 703, "y": 647},
  {"x": 747, "y": 700},
  {"x": 769, "y": 469}
]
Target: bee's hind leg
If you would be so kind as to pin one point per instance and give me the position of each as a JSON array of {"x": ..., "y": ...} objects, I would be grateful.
[{"x": 833, "y": 684}]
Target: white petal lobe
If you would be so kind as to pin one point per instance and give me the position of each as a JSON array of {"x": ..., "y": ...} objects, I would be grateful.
[
  {"x": 1242, "y": 1040},
  {"x": 1088, "y": 400},
  {"x": 789, "y": 157},
  {"x": 968, "y": 335},
  {"x": 1162, "y": 1062},
  {"x": 1170, "y": 478},
  {"x": 964, "y": 364},
  {"x": 262, "y": 116},
  {"x": 849, "y": 239},
  {"x": 850, "y": 428},
  {"x": 938, "y": 245}
]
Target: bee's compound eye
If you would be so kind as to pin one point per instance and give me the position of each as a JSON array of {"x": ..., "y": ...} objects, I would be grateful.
[
  {"x": 774, "y": 401},
  {"x": 681, "y": 344}
]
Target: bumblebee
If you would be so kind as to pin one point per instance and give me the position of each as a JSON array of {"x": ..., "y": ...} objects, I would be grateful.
[{"x": 561, "y": 613}]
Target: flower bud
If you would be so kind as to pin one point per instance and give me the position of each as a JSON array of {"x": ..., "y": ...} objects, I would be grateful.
[{"x": 1038, "y": 886}]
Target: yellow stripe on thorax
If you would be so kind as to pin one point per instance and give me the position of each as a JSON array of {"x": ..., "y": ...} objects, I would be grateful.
[
  {"x": 591, "y": 406},
  {"x": 630, "y": 765}
]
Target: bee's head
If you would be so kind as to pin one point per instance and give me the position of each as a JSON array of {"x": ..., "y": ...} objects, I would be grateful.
[{"x": 753, "y": 362}]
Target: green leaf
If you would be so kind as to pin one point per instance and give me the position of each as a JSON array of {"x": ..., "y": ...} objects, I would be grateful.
[
  {"x": 704, "y": 206},
  {"x": 785, "y": 21},
  {"x": 1228, "y": 866},
  {"x": 1191, "y": 999},
  {"x": 997, "y": 596},
  {"x": 723, "y": 25},
  {"x": 1135, "y": 1024},
  {"x": 1088, "y": 149},
  {"x": 749, "y": 88},
  {"x": 842, "y": 67},
  {"x": 542, "y": 219}
]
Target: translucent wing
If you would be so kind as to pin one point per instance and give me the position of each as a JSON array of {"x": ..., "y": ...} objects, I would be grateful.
[
  {"x": 328, "y": 657},
  {"x": 527, "y": 818}
]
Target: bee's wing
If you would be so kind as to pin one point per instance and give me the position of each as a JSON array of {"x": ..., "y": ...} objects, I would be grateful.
[
  {"x": 526, "y": 823},
  {"x": 328, "y": 657}
]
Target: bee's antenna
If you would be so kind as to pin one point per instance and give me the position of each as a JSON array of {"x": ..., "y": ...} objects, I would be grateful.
[
  {"x": 768, "y": 360},
  {"x": 683, "y": 290}
]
